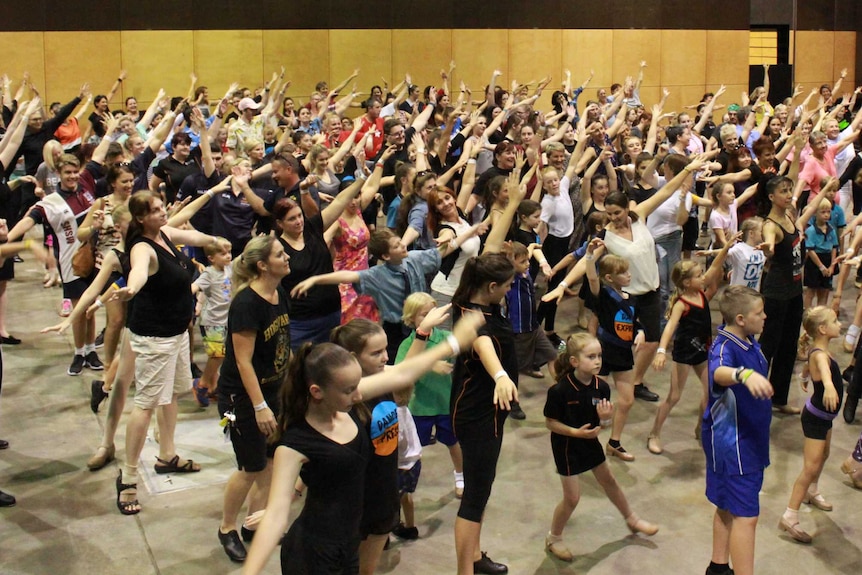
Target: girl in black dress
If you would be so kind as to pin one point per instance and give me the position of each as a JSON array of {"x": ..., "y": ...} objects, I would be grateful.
[
  {"x": 321, "y": 440},
  {"x": 577, "y": 409},
  {"x": 690, "y": 325}
]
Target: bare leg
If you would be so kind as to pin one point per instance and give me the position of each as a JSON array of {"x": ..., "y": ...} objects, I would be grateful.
[
  {"x": 807, "y": 297},
  {"x": 814, "y": 451},
  {"x": 457, "y": 457},
  {"x": 625, "y": 399},
  {"x": 612, "y": 489},
  {"x": 209, "y": 379},
  {"x": 721, "y": 524},
  {"x": 564, "y": 509},
  {"x": 678, "y": 375},
  {"x": 643, "y": 359},
  {"x": 742, "y": 533},
  {"x": 467, "y": 535},
  {"x": 167, "y": 424},
  {"x": 80, "y": 327},
  {"x": 3, "y": 299},
  {"x": 136, "y": 435},
  {"x": 235, "y": 494},
  {"x": 408, "y": 509},
  {"x": 116, "y": 311},
  {"x": 370, "y": 551},
  {"x": 260, "y": 489}
]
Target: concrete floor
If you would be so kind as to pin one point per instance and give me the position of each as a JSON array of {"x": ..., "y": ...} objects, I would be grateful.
[{"x": 66, "y": 521}]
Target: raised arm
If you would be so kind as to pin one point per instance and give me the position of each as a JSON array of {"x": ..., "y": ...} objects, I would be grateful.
[
  {"x": 497, "y": 235},
  {"x": 647, "y": 207},
  {"x": 330, "y": 213},
  {"x": 707, "y": 110},
  {"x": 12, "y": 140}
]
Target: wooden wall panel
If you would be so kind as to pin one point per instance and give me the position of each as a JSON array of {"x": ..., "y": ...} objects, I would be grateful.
[
  {"x": 586, "y": 50},
  {"x": 25, "y": 52},
  {"x": 726, "y": 58},
  {"x": 141, "y": 48},
  {"x": 630, "y": 47},
  {"x": 845, "y": 57},
  {"x": 478, "y": 53},
  {"x": 368, "y": 50},
  {"x": 534, "y": 54},
  {"x": 225, "y": 56},
  {"x": 304, "y": 55},
  {"x": 422, "y": 54},
  {"x": 683, "y": 58},
  {"x": 814, "y": 57},
  {"x": 72, "y": 58}
]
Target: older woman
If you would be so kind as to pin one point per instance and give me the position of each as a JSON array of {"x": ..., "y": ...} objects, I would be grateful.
[
  {"x": 160, "y": 282},
  {"x": 820, "y": 164}
]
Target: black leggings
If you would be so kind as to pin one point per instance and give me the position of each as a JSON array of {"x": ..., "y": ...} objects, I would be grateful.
[
  {"x": 480, "y": 469},
  {"x": 778, "y": 342},
  {"x": 854, "y": 388},
  {"x": 555, "y": 249}
]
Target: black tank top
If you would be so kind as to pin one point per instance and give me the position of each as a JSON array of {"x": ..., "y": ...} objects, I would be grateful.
[
  {"x": 783, "y": 280},
  {"x": 695, "y": 326},
  {"x": 837, "y": 381},
  {"x": 164, "y": 306}
]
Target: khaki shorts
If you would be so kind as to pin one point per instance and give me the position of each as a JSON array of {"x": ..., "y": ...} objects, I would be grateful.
[
  {"x": 162, "y": 368},
  {"x": 214, "y": 340}
]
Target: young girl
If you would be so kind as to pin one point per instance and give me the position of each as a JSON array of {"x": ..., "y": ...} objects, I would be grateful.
[
  {"x": 577, "y": 409},
  {"x": 558, "y": 224},
  {"x": 821, "y": 326},
  {"x": 722, "y": 221},
  {"x": 690, "y": 325},
  {"x": 821, "y": 248},
  {"x": 529, "y": 217},
  {"x": 616, "y": 332},
  {"x": 746, "y": 260}
]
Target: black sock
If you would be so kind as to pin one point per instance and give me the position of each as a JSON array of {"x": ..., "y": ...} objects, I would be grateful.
[
  {"x": 718, "y": 568},
  {"x": 614, "y": 443}
]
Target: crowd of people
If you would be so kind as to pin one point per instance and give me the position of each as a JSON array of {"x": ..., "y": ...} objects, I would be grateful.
[{"x": 367, "y": 286}]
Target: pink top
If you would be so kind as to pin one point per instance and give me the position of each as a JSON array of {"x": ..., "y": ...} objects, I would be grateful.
[{"x": 815, "y": 170}]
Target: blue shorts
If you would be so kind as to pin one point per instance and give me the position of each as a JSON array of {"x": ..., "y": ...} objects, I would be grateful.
[
  {"x": 443, "y": 423},
  {"x": 408, "y": 479},
  {"x": 737, "y": 494}
]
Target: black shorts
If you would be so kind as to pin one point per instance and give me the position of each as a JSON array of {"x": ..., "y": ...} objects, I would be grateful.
[
  {"x": 814, "y": 427},
  {"x": 690, "y": 233},
  {"x": 408, "y": 479},
  {"x": 689, "y": 353},
  {"x": 7, "y": 270},
  {"x": 111, "y": 281},
  {"x": 812, "y": 277},
  {"x": 648, "y": 311},
  {"x": 249, "y": 445},
  {"x": 616, "y": 358},
  {"x": 76, "y": 288}
]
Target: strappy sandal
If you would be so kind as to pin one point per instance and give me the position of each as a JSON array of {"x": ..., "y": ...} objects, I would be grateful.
[
  {"x": 173, "y": 466},
  {"x": 127, "y": 507}
]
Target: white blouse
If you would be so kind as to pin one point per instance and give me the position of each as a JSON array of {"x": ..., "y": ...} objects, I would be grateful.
[{"x": 640, "y": 253}]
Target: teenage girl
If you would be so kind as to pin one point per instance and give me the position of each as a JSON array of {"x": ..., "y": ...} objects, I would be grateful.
[
  {"x": 616, "y": 332},
  {"x": 321, "y": 439},
  {"x": 577, "y": 409},
  {"x": 821, "y": 325},
  {"x": 690, "y": 325}
]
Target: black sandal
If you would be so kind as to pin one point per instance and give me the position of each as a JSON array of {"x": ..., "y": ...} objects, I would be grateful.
[
  {"x": 126, "y": 507},
  {"x": 173, "y": 466}
]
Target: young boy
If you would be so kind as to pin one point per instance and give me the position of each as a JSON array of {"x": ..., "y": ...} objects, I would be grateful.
[
  {"x": 409, "y": 466},
  {"x": 400, "y": 274},
  {"x": 736, "y": 430},
  {"x": 533, "y": 347},
  {"x": 213, "y": 286}
]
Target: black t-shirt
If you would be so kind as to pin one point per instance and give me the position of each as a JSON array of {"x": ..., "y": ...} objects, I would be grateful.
[
  {"x": 381, "y": 504},
  {"x": 233, "y": 217},
  {"x": 313, "y": 260},
  {"x": 270, "y": 322},
  {"x": 335, "y": 476},
  {"x": 96, "y": 123},
  {"x": 193, "y": 187},
  {"x": 174, "y": 173},
  {"x": 573, "y": 403},
  {"x": 486, "y": 177},
  {"x": 474, "y": 414},
  {"x": 617, "y": 321}
]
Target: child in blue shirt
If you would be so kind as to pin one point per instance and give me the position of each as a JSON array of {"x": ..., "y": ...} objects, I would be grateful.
[
  {"x": 821, "y": 250},
  {"x": 735, "y": 429}
]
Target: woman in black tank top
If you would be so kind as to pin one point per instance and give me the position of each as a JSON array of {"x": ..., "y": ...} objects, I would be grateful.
[
  {"x": 782, "y": 283},
  {"x": 160, "y": 282}
]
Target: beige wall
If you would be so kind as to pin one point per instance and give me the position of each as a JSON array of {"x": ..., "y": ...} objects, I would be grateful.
[{"x": 687, "y": 62}]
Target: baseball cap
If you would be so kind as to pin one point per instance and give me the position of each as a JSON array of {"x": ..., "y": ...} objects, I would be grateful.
[{"x": 247, "y": 103}]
